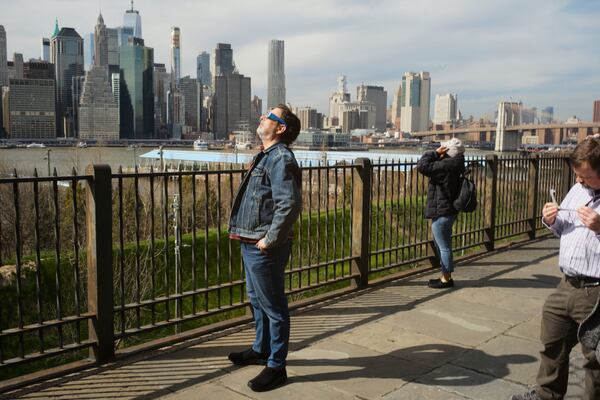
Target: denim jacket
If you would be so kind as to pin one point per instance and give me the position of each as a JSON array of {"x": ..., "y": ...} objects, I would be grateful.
[{"x": 269, "y": 199}]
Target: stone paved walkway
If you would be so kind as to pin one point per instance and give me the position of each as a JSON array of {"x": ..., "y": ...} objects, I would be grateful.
[{"x": 401, "y": 340}]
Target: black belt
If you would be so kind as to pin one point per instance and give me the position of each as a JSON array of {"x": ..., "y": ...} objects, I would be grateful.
[{"x": 582, "y": 281}]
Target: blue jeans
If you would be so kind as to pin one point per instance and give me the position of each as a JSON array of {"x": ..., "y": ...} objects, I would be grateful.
[
  {"x": 442, "y": 237},
  {"x": 266, "y": 292}
]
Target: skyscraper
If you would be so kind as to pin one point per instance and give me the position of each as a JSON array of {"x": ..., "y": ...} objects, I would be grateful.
[
  {"x": 338, "y": 97},
  {"x": 414, "y": 100},
  {"x": 276, "y": 71},
  {"x": 175, "y": 98},
  {"x": 161, "y": 82},
  {"x": 445, "y": 110},
  {"x": 395, "y": 117},
  {"x": 378, "y": 96},
  {"x": 191, "y": 90},
  {"x": 115, "y": 83},
  {"x": 3, "y": 109},
  {"x": 547, "y": 115},
  {"x": 308, "y": 117},
  {"x": 3, "y": 59},
  {"x": 55, "y": 32},
  {"x": 222, "y": 60},
  {"x": 203, "y": 69},
  {"x": 175, "y": 55},
  {"x": 77, "y": 88},
  {"x": 18, "y": 64},
  {"x": 230, "y": 104},
  {"x": 3, "y": 82},
  {"x": 31, "y": 108},
  {"x": 101, "y": 44},
  {"x": 256, "y": 110},
  {"x": 357, "y": 115},
  {"x": 45, "y": 50},
  {"x": 132, "y": 19},
  {"x": 176, "y": 112},
  {"x": 529, "y": 115},
  {"x": 596, "y": 111},
  {"x": 4, "y": 117},
  {"x": 88, "y": 50},
  {"x": 67, "y": 57},
  {"x": 112, "y": 36},
  {"x": 35, "y": 69},
  {"x": 137, "y": 97},
  {"x": 98, "y": 110},
  {"x": 124, "y": 33}
]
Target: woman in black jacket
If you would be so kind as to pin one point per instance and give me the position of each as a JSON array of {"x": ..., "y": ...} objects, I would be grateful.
[{"x": 443, "y": 167}]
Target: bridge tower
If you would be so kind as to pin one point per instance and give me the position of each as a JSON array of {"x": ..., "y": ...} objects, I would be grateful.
[{"x": 509, "y": 114}]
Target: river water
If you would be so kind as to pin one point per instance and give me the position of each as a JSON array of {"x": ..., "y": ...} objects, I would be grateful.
[{"x": 64, "y": 159}]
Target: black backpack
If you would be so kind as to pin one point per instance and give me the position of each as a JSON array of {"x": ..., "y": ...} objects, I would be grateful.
[{"x": 466, "y": 201}]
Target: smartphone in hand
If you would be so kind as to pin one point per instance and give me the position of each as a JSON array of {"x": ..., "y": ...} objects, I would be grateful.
[{"x": 553, "y": 197}]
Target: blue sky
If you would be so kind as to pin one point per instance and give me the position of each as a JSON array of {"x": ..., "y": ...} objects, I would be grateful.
[{"x": 541, "y": 52}]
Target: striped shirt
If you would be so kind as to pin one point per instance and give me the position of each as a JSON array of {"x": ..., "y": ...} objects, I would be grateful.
[{"x": 579, "y": 246}]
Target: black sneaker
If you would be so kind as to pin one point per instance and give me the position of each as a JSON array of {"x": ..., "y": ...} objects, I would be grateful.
[
  {"x": 269, "y": 378},
  {"x": 438, "y": 284},
  {"x": 531, "y": 395},
  {"x": 248, "y": 357}
]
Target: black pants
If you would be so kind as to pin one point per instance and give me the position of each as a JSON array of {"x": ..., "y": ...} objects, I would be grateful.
[{"x": 563, "y": 311}]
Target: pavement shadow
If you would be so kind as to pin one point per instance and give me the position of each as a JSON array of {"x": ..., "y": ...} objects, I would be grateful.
[
  {"x": 486, "y": 261},
  {"x": 535, "y": 282},
  {"x": 405, "y": 295},
  {"x": 488, "y": 367}
]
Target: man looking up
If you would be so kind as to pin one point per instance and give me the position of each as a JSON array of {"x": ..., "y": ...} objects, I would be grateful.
[{"x": 263, "y": 214}]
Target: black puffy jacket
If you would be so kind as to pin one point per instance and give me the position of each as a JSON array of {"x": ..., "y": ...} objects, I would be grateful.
[{"x": 444, "y": 182}]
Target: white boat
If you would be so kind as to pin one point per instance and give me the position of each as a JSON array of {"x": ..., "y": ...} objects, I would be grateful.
[
  {"x": 82, "y": 145},
  {"x": 243, "y": 145},
  {"x": 244, "y": 139},
  {"x": 200, "y": 144},
  {"x": 35, "y": 145}
]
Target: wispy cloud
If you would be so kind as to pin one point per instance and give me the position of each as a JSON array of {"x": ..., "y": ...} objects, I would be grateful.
[{"x": 542, "y": 52}]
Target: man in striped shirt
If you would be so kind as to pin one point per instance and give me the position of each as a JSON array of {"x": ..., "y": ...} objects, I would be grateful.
[{"x": 577, "y": 222}]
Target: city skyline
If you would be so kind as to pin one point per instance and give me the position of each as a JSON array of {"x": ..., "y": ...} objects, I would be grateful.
[{"x": 485, "y": 53}]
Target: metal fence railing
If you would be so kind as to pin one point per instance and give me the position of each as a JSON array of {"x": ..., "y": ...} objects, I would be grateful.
[
  {"x": 511, "y": 193},
  {"x": 44, "y": 309},
  {"x": 106, "y": 260}
]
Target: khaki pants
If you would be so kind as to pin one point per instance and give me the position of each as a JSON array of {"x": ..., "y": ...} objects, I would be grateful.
[{"x": 563, "y": 311}]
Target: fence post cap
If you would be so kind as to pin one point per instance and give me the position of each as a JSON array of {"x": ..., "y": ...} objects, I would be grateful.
[
  {"x": 94, "y": 168},
  {"x": 364, "y": 161}
]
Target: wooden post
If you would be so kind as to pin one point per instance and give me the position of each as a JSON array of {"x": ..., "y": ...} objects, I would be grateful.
[
  {"x": 361, "y": 221},
  {"x": 491, "y": 188},
  {"x": 533, "y": 194},
  {"x": 99, "y": 261},
  {"x": 567, "y": 178}
]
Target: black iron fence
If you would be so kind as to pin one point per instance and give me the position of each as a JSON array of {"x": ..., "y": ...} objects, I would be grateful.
[
  {"x": 107, "y": 260},
  {"x": 42, "y": 265}
]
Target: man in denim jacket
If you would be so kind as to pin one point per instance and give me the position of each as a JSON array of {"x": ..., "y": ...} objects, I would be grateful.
[{"x": 263, "y": 214}]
